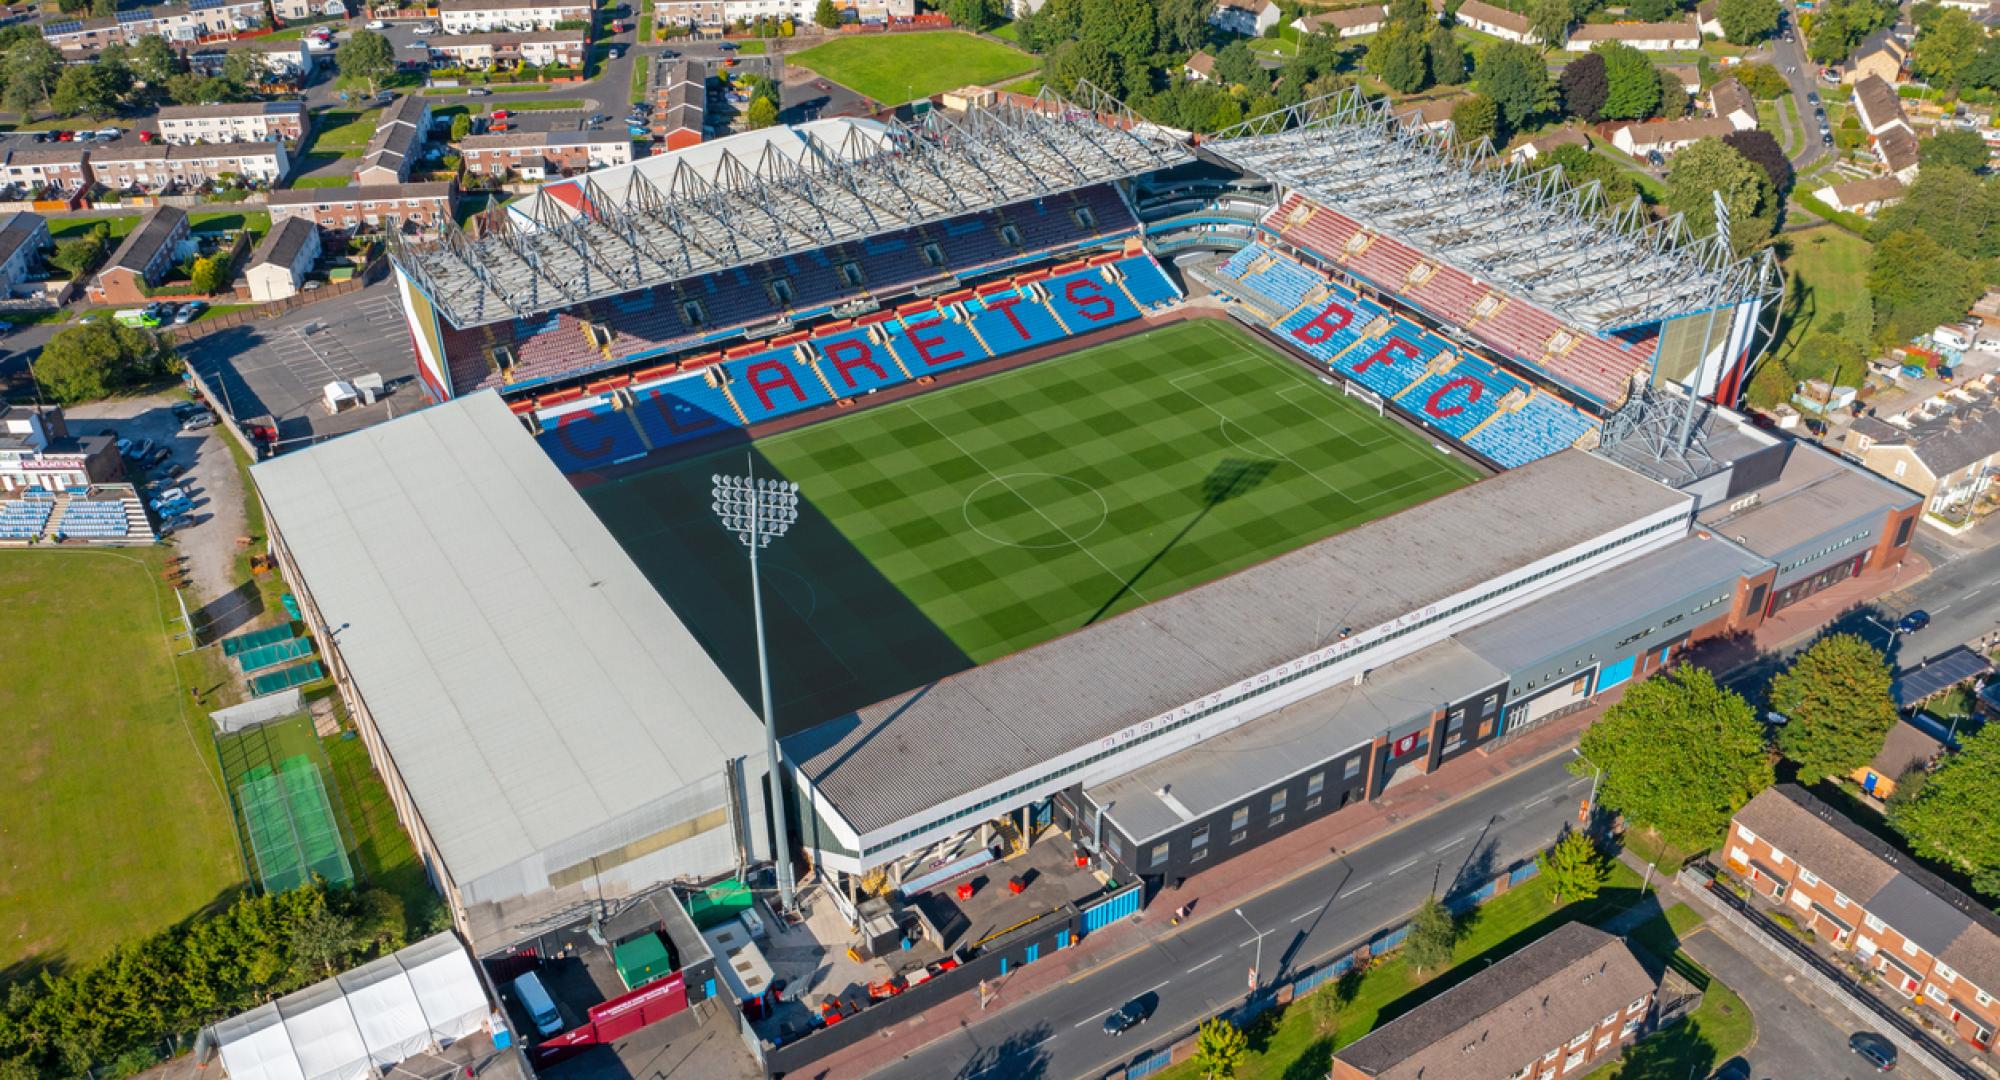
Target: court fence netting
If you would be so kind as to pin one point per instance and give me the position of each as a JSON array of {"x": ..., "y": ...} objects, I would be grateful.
[{"x": 287, "y": 815}]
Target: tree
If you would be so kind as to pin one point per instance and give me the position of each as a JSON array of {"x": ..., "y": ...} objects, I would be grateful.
[
  {"x": 153, "y": 60},
  {"x": 461, "y": 126},
  {"x": 973, "y": 14},
  {"x": 1125, "y": 30},
  {"x": 1762, "y": 150},
  {"x": 189, "y": 88},
  {"x": 1825, "y": 354},
  {"x": 1183, "y": 25},
  {"x": 1964, "y": 149},
  {"x": 1917, "y": 284},
  {"x": 1517, "y": 80},
  {"x": 1237, "y": 66},
  {"x": 32, "y": 68},
  {"x": 86, "y": 89},
  {"x": 1415, "y": 14},
  {"x": 1073, "y": 62},
  {"x": 1447, "y": 57},
  {"x": 1708, "y": 167},
  {"x": 1325, "y": 1006},
  {"x": 1549, "y": 20},
  {"x": 1651, "y": 10},
  {"x": 1399, "y": 57},
  {"x": 826, "y": 15},
  {"x": 322, "y": 938},
  {"x": 1584, "y": 86},
  {"x": 1632, "y": 86},
  {"x": 1746, "y": 22},
  {"x": 78, "y": 256},
  {"x": 1219, "y": 1048},
  {"x": 1678, "y": 753},
  {"x": 366, "y": 59},
  {"x": 1836, "y": 697},
  {"x": 206, "y": 277},
  {"x": 1432, "y": 935},
  {"x": 1952, "y": 207},
  {"x": 1951, "y": 819},
  {"x": 1839, "y": 25},
  {"x": 1764, "y": 82},
  {"x": 1946, "y": 48},
  {"x": 762, "y": 114},
  {"x": 1476, "y": 118},
  {"x": 243, "y": 69},
  {"x": 84, "y": 363},
  {"x": 1673, "y": 95},
  {"x": 1574, "y": 868},
  {"x": 1580, "y": 166}
]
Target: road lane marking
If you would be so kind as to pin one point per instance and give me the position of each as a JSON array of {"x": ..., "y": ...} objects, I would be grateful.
[
  {"x": 1448, "y": 845},
  {"x": 1358, "y": 888},
  {"x": 1305, "y": 914},
  {"x": 1539, "y": 800},
  {"x": 1405, "y": 866},
  {"x": 1203, "y": 964}
]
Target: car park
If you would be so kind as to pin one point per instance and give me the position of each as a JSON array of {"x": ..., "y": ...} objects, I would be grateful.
[{"x": 198, "y": 421}]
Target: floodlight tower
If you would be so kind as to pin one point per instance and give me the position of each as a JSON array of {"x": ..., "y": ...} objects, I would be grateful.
[{"x": 759, "y": 511}]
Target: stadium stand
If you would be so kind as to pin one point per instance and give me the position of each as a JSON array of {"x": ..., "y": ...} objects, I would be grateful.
[
  {"x": 1540, "y": 426},
  {"x": 27, "y": 517},
  {"x": 88, "y": 519}
]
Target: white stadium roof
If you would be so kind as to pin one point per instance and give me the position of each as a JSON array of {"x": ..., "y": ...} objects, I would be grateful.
[{"x": 528, "y": 682}]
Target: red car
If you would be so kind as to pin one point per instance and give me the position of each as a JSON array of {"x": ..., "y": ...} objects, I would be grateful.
[
  {"x": 502, "y": 114},
  {"x": 65, "y": 136}
]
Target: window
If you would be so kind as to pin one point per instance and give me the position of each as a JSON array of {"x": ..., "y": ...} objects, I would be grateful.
[
  {"x": 1982, "y": 997},
  {"x": 1159, "y": 856},
  {"x": 933, "y": 254},
  {"x": 1278, "y": 798},
  {"x": 1608, "y": 1020},
  {"x": 1084, "y": 218},
  {"x": 850, "y": 275},
  {"x": 1604, "y": 1040},
  {"x": 1839, "y": 899},
  {"x": 1808, "y": 876},
  {"x": 781, "y": 291},
  {"x": 1316, "y": 783},
  {"x": 1200, "y": 838},
  {"x": 1551, "y": 1055},
  {"x": 1903, "y": 531},
  {"x": 1313, "y": 803},
  {"x": 1573, "y": 1060},
  {"x": 1910, "y": 948},
  {"x": 1636, "y": 1005},
  {"x": 1239, "y": 818},
  {"x": 1581, "y": 1038},
  {"x": 1631, "y": 1026},
  {"x": 1873, "y": 923},
  {"x": 1777, "y": 856},
  {"x": 1352, "y": 770},
  {"x": 1901, "y": 468},
  {"x": 692, "y": 313},
  {"x": 1276, "y": 820},
  {"x": 1010, "y": 236},
  {"x": 1944, "y": 971},
  {"x": 1523, "y": 1073}
]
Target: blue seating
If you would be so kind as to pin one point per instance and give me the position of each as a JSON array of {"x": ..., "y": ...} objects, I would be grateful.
[
  {"x": 1239, "y": 263},
  {"x": 771, "y": 384},
  {"x": 1084, "y": 301},
  {"x": 591, "y": 438},
  {"x": 680, "y": 410},
  {"x": 930, "y": 343},
  {"x": 996, "y": 318},
  {"x": 1285, "y": 282},
  {"x": 1456, "y": 401},
  {"x": 1390, "y": 363},
  {"x": 1319, "y": 329},
  {"x": 854, "y": 365},
  {"x": 1543, "y": 426},
  {"x": 1148, "y": 283}
]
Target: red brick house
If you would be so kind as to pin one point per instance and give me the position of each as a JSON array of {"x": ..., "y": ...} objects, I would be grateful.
[{"x": 346, "y": 209}]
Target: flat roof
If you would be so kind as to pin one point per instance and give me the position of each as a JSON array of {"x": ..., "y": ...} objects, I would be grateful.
[
  {"x": 903, "y": 756},
  {"x": 526, "y": 679},
  {"x": 1814, "y": 494},
  {"x": 1216, "y": 772}
]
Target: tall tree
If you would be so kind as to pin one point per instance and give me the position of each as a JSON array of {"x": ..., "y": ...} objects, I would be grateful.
[
  {"x": 1415, "y": 14},
  {"x": 1580, "y": 166},
  {"x": 1952, "y": 817},
  {"x": 1124, "y": 29},
  {"x": 366, "y": 59},
  {"x": 1517, "y": 79},
  {"x": 826, "y": 15},
  {"x": 761, "y": 114},
  {"x": 153, "y": 60},
  {"x": 84, "y": 363},
  {"x": 1237, "y": 66},
  {"x": 1184, "y": 25},
  {"x": 1549, "y": 20},
  {"x": 1836, "y": 696},
  {"x": 79, "y": 255},
  {"x": 1632, "y": 86},
  {"x": 1746, "y": 22},
  {"x": 1432, "y": 936},
  {"x": 87, "y": 90},
  {"x": 243, "y": 68},
  {"x": 1764, "y": 82},
  {"x": 1673, "y": 96},
  {"x": 1651, "y": 10},
  {"x": 1399, "y": 58},
  {"x": 1709, "y": 167},
  {"x": 973, "y": 14},
  {"x": 1574, "y": 868},
  {"x": 1952, "y": 207},
  {"x": 1762, "y": 150},
  {"x": 1917, "y": 284},
  {"x": 1219, "y": 1048},
  {"x": 33, "y": 68},
  {"x": 1476, "y": 118},
  {"x": 1964, "y": 149},
  {"x": 1584, "y": 86},
  {"x": 1946, "y": 48},
  {"x": 1447, "y": 56},
  {"x": 1679, "y": 753}
]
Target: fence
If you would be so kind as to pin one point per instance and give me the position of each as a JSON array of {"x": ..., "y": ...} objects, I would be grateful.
[{"x": 376, "y": 269}]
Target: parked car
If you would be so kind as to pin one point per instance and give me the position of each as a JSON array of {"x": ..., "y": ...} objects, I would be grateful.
[
  {"x": 728, "y": 46},
  {"x": 109, "y": 134},
  {"x": 65, "y": 136},
  {"x": 147, "y": 137},
  {"x": 185, "y": 409},
  {"x": 1655, "y": 158},
  {"x": 140, "y": 451},
  {"x": 1812, "y": 97},
  {"x": 597, "y": 118},
  {"x": 503, "y": 114},
  {"x": 377, "y": 24},
  {"x": 159, "y": 454},
  {"x": 124, "y": 446},
  {"x": 174, "y": 471},
  {"x": 168, "y": 497},
  {"x": 1826, "y": 138},
  {"x": 198, "y": 421},
  {"x": 478, "y": 91},
  {"x": 425, "y": 29},
  {"x": 1873, "y": 1049}
]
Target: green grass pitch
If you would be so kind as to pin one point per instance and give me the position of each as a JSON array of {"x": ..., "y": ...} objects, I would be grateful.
[
  {"x": 956, "y": 527},
  {"x": 894, "y": 68}
]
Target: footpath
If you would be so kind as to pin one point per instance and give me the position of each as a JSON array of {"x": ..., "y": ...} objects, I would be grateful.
[{"x": 1217, "y": 890}]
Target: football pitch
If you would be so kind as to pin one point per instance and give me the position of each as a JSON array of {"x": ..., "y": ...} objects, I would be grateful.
[{"x": 955, "y": 527}]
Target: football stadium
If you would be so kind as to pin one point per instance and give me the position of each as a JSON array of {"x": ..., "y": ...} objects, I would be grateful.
[{"x": 1155, "y": 496}]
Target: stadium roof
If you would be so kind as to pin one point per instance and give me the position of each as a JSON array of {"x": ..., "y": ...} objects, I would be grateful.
[
  {"x": 887, "y": 762},
  {"x": 1598, "y": 271},
  {"x": 527, "y": 681},
  {"x": 766, "y": 194}
]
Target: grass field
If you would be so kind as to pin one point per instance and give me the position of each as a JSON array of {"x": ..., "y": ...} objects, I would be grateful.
[
  {"x": 894, "y": 68},
  {"x": 965, "y": 524},
  {"x": 115, "y": 821},
  {"x": 65, "y": 228},
  {"x": 344, "y": 129},
  {"x": 1829, "y": 271}
]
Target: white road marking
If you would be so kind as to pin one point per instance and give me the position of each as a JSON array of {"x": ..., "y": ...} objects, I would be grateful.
[
  {"x": 1539, "y": 800},
  {"x": 1305, "y": 915},
  {"x": 1405, "y": 866},
  {"x": 1102, "y": 1012},
  {"x": 1358, "y": 888},
  {"x": 1203, "y": 964},
  {"x": 1448, "y": 844}
]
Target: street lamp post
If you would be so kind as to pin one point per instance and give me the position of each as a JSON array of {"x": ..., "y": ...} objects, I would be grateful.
[
  {"x": 759, "y": 511},
  {"x": 1257, "y": 968}
]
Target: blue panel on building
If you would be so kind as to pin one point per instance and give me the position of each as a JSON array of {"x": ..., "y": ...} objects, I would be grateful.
[{"x": 1616, "y": 673}]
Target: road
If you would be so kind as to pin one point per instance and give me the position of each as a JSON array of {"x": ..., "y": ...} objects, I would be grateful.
[
  {"x": 1798, "y": 1034},
  {"x": 1204, "y": 968},
  {"x": 1788, "y": 53}
]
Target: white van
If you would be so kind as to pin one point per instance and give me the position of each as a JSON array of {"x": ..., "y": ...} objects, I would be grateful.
[
  {"x": 1953, "y": 337},
  {"x": 540, "y": 1007}
]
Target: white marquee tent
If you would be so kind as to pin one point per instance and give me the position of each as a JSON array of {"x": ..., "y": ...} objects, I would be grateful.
[{"x": 362, "y": 1022}]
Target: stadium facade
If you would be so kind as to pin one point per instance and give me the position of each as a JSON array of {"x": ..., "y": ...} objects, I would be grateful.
[{"x": 707, "y": 297}]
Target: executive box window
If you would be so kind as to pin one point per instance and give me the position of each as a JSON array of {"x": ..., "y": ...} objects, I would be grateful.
[{"x": 1352, "y": 770}]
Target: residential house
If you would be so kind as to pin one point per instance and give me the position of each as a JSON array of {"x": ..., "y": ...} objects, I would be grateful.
[
  {"x": 1925, "y": 940},
  {"x": 1905, "y": 747},
  {"x": 280, "y": 264},
  {"x": 680, "y": 103},
  {"x": 1668, "y": 136},
  {"x": 1497, "y": 21},
  {"x": 286, "y": 60},
  {"x": 151, "y": 168},
  {"x": 1651, "y": 37},
  {"x": 1947, "y": 448},
  {"x": 293, "y": 11},
  {"x": 1708, "y": 20},
  {"x": 1200, "y": 67},
  {"x": 481, "y": 51},
  {"x": 1880, "y": 55},
  {"x": 711, "y": 14},
  {"x": 180, "y": 23},
  {"x": 542, "y": 155},
  {"x": 1688, "y": 74},
  {"x": 491, "y": 16},
  {"x": 400, "y": 134},
  {"x": 425, "y": 206},
  {"x": 1863, "y": 197},
  {"x": 1245, "y": 18},
  {"x": 142, "y": 261},
  {"x": 1433, "y": 114},
  {"x": 1877, "y": 107},
  {"x": 1728, "y": 100},
  {"x": 1346, "y": 22},
  {"x": 1536, "y": 147},
  {"x": 1897, "y": 149},
  {"x": 1571, "y": 998},
  {"x": 234, "y": 121},
  {"x": 63, "y": 167},
  {"x": 24, "y": 240}
]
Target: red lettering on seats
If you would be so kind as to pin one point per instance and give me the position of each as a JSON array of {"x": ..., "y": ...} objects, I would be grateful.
[
  {"x": 765, "y": 376},
  {"x": 1006, "y": 307},
  {"x": 849, "y": 353},
  {"x": 925, "y": 344},
  {"x": 664, "y": 405},
  {"x": 1474, "y": 391},
  {"x": 568, "y": 438},
  {"x": 1093, "y": 305},
  {"x": 1319, "y": 329},
  {"x": 1382, "y": 355}
]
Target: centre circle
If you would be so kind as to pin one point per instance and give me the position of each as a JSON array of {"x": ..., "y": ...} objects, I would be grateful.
[{"x": 1035, "y": 510}]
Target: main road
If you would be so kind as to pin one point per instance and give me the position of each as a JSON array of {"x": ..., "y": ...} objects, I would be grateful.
[{"x": 1205, "y": 968}]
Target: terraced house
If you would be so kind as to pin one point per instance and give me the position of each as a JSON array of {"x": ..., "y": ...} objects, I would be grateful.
[
  {"x": 183, "y": 23},
  {"x": 506, "y": 50},
  {"x": 1923, "y": 938},
  {"x": 489, "y": 16},
  {"x": 233, "y": 121}
]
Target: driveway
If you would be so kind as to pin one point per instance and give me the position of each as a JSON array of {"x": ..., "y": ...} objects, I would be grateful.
[{"x": 1797, "y": 1035}]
